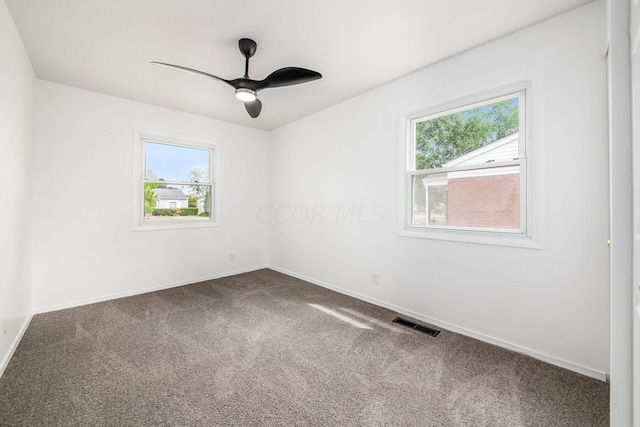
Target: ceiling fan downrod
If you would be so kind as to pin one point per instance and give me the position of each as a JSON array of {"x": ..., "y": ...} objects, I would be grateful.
[{"x": 247, "y": 89}]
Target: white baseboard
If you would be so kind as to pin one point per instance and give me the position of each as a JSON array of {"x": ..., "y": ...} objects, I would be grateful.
[
  {"x": 575, "y": 367},
  {"x": 593, "y": 373},
  {"x": 109, "y": 297},
  {"x": 14, "y": 345}
]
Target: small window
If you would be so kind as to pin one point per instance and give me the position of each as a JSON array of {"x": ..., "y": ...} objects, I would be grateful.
[
  {"x": 467, "y": 168},
  {"x": 177, "y": 186}
]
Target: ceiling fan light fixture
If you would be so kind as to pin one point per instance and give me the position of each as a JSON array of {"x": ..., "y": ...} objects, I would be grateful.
[
  {"x": 246, "y": 88},
  {"x": 246, "y": 95}
]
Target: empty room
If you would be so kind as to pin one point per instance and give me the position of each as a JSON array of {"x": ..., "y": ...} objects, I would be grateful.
[{"x": 371, "y": 213}]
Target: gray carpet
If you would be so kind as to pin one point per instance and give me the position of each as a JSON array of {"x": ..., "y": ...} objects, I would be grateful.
[{"x": 249, "y": 350}]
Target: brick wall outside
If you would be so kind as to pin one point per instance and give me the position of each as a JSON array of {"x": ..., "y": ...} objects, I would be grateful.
[{"x": 486, "y": 201}]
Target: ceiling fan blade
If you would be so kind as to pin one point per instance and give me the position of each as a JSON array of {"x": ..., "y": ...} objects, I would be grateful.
[
  {"x": 189, "y": 70},
  {"x": 253, "y": 108},
  {"x": 288, "y": 76}
]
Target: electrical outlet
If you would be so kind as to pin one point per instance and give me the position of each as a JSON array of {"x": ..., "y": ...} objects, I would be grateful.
[
  {"x": 232, "y": 257},
  {"x": 375, "y": 278},
  {"x": 4, "y": 326}
]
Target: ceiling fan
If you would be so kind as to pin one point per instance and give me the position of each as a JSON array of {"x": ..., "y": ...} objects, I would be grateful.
[{"x": 246, "y": 88}]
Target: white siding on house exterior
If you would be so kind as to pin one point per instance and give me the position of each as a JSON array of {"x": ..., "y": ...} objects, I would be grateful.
[
  {"x": 502, "y": 150},
  {"x": 167, "y": 203},
  {"x": 171, "y": 198}
]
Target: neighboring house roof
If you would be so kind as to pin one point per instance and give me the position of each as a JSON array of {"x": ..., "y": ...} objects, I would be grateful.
[
  {"x": 504, "y": 149},
  {"x": 501, "y": 150},
  {"x": 170, "y": 193}
]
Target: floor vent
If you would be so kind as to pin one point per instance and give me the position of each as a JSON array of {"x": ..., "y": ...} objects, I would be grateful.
[{"x": 419, "y": 328}]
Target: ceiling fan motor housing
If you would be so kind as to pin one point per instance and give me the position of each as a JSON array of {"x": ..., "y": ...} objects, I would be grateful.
[
  {"x": 247, "y": 89},
  {"x": 248, "y": 47}
]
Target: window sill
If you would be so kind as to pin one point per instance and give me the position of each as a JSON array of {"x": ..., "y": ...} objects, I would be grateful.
[
  {"x": 154, "y": 226},
  {"x": 481, "y": 238}
]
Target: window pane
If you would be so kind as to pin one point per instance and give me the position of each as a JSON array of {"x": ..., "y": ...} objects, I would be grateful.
[
  {"x": 444, "y": 141},
  {"x": 480, "y": 198},
  {"x": 177, "y": 202},
  {"x": 172, "y": 163}
]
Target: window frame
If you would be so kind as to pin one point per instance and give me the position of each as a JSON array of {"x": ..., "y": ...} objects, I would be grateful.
[
  {"x": 528, "y": 234},
  {"x": 141, "y": 137}
]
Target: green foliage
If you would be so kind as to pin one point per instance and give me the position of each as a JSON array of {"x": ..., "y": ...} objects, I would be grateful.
[
  {"x": 504, "y": 118},
  {"x": 175, "y": 212},
  {"x": 198, "y": 175},
  {"x": 149, "y": 175},
  {"x": 437, "y": 199},
  {"x": 150, "y": 197},
  {"x": 193, "y": 201},
  {"x": 207, "y": 202},
  {"x": 164, "y": 212},
  {"x": 445, "y": 138},
  {"x": 189, "y": 211}
]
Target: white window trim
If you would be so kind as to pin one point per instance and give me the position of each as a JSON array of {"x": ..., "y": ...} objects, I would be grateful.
[
  {"x": 530, "y": 169},
  {"x": 142, "y": 135}
]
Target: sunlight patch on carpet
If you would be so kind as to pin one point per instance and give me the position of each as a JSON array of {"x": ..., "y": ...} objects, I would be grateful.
[{"x": 340, "y": 316}]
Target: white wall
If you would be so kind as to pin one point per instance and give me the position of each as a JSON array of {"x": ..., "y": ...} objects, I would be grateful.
[
  {"x": 84, "y": 247},
  {"x": 620, "y": 125},
  {"x": 17, "y": 81},
  {"x": 550, "y": 302}
]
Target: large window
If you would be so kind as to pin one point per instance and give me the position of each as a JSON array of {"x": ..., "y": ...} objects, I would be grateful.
[
  {"x": 176, "y": 186},
  {"x": 467, "y": 168}
]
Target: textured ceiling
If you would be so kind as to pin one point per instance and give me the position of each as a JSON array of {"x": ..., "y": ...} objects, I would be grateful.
[{"x": 106, "y": 46}]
